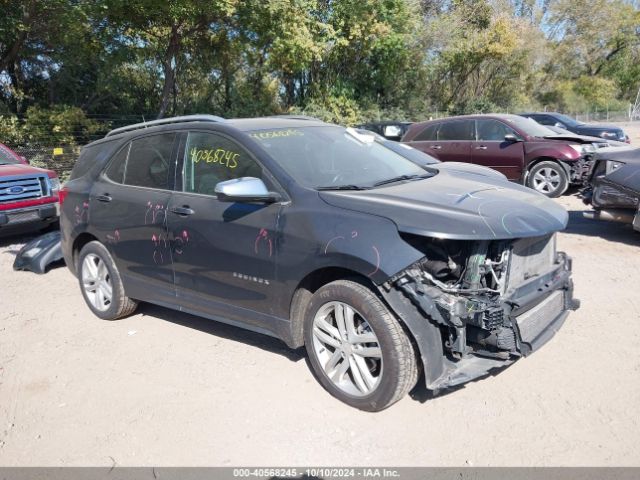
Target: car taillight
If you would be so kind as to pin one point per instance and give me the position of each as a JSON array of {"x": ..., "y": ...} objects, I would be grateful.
[{"x": 62, "y": 194}]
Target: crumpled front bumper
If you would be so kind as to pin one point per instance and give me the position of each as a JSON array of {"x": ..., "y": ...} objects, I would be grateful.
[{"x": 534, "y": 311}]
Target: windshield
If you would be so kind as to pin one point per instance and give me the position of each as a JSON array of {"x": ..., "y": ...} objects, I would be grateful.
[
  {"x": 530, "y": 126},
  {"x": 566, "y": 120},
  {"x": 7, "y": 158},
  {"x": 326, "y": 157}
]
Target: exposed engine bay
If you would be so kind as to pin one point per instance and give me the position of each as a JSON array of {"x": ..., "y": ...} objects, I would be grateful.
[{"x": 493, "y": 299}]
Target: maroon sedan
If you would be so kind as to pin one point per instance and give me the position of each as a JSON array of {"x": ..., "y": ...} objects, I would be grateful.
[{"x": 523, "y": 150}]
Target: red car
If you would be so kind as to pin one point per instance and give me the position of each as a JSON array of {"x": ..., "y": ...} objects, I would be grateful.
[
  {"x": 523, "y": 150},
  {"x": 28, "y": 195}
]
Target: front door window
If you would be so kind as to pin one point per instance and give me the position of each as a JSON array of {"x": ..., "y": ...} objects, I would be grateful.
[{"x": 211, "y": 159}]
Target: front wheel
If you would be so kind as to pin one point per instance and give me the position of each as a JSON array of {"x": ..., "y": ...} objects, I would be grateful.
[
  {"x": 548, "y": 178},
  {"x": 357, "y": 349}
]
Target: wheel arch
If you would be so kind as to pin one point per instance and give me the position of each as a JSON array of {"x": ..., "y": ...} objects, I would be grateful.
[
  {"x": 79, "y": 242},
  {"x": 305, "y": 290},
  {"x": 424, "y": 335}
]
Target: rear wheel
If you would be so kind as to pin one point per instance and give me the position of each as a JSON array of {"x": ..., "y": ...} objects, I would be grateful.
[
  {"x": 548, "y": 178},
  {"x": 357, "y": 349},
  {"x": 101, "y": 285}
]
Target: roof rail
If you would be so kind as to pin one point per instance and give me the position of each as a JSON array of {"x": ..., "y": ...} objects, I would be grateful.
[
  {"x": 298, "y": 117},
  {"x": 166, "y": 121}
]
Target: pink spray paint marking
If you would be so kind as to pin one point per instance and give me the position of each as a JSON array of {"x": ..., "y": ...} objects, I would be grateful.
[
  {"x": 115, "y": 238},
  {"x": 82, "y": 213},
  {"x": 263, "y": 236},
  {"x": 181, "y": 241},
  {"x": 353, "y": 237}
]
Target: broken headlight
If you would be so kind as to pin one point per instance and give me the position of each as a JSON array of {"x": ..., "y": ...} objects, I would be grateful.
[{"x": 613, "y": 165}]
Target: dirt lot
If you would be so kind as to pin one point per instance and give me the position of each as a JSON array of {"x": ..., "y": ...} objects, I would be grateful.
[{"x": 164, "y": 388}]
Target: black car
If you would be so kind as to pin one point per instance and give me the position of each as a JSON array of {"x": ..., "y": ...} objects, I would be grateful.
[
  {"x": 609, "y": 132},
  {"x": 386, "y": 269},
  {"x": 613, "y": 188}
]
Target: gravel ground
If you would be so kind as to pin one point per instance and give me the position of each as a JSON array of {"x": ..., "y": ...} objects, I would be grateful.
[{"x": 165, "y": 388}]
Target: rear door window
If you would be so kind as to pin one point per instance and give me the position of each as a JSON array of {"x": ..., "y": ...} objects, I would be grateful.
[
  {"x": 150, "y": 161},
  {"x": 457, "y": 130},
  {"x": 211, "y": 158},
  {"x": 115, "y": 170}
]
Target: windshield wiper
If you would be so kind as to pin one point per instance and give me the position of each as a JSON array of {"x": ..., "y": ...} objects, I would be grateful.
[
  {"x": 342, "y": 187},
  {"x": 400, "y": 178}
]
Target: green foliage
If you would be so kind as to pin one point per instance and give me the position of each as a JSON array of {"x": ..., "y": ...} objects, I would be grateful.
[
  {"x": 346, "y": 61},
  {"x": 59, "y": 125}
]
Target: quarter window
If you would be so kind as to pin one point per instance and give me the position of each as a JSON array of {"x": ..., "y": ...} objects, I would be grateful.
[
  {"x": 211, "y": 158},
  {"x": 149, "y": 163},
  {"x": 456, "y": 130}
]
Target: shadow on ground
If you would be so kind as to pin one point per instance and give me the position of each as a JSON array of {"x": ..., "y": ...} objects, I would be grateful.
[
  {"x": 18, "y": 237},
  {"x": 611, "y": 231},
  {"x": 222, "y": 330}
]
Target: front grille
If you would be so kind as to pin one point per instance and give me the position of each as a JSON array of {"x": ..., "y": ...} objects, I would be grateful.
[
  {"x": 533, "y": 322},
  {"x": 531, "y": 257},
  {"x": 15, "y": 189}
]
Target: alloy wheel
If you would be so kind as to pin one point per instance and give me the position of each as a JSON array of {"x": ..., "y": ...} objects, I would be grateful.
[
  {"x": 546, "y": 180},
  {"x": 347, "y": 349},
  {"x": 96, "y": 282}
]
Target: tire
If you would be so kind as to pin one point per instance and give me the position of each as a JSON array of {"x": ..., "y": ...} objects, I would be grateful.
[
  {"x": 354, "y": 374},
  {"x": 548, "y": 178},
  {"x": 105, "y": 275}
]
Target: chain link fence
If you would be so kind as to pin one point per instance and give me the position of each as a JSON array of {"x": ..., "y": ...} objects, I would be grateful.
[
  {"x": 602, "y": 116},
  {"x": 59, "y": 158}
]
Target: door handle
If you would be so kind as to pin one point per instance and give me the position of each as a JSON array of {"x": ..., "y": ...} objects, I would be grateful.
[
  {"x": 104, "y": 198},
  {"x": 182, "y": 211},
  {"x": 436, "y": 147},
  {"x": 481, "y": 147}
]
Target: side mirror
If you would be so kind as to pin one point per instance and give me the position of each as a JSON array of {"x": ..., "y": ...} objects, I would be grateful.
[
  {"x": 245, "y": 189},
  {"x": 24, "y": 160},
  {"x": 392, "y": 131},
  {"x": 560, "y": 125},
  {"x": 510, "y": 137}
]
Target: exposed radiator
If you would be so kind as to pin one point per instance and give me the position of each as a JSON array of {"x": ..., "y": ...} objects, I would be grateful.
[{"x": 531, "y": 257}]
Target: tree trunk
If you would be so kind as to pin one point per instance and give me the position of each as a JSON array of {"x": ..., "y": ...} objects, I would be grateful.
[
  {"x": 11, "y": 54},
  {"x": 169, "y": 68}
]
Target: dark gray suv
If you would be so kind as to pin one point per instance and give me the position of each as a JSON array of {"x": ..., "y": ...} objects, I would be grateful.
[{"x": 385, "y": 264}]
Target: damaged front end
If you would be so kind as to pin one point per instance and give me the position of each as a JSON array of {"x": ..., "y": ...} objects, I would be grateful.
[
  {"x": 487, "y": 302},
  {"x": 613, "y": 187}
]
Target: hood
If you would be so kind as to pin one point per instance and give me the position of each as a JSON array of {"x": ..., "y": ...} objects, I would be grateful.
[
  {"x": 626, "y": 154},
  {"x": 458, "y": 203},
  {"x": 597, "y": 129},
  {"x": 20, "y": 169},
  {"x": 574, "y": 137}
]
